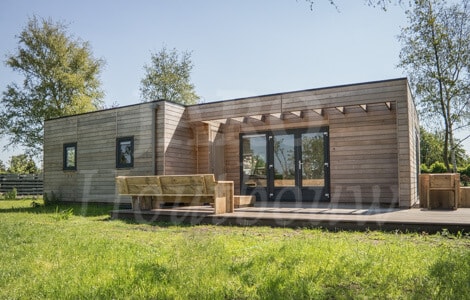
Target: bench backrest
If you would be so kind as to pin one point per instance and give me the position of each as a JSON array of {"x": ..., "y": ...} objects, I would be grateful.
[{"x": 198, "y": 184}]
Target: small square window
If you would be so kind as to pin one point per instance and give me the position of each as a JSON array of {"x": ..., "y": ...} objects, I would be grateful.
[
  {"x": 125, "y": 152},
  {"x": 70, "y": 157}
]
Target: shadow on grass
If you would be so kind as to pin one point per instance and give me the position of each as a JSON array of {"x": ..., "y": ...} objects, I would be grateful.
[
  {"x": 76, "y": 209},
  {"x": 155, "y": 224},
  {"x": 447, "y": 278}
]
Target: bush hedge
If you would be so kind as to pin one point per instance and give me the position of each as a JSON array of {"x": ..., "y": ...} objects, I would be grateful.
[{"x": 439, "y": 167}]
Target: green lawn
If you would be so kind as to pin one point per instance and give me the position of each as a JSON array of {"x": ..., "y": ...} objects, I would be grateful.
[{"x": 75, "y": 252}]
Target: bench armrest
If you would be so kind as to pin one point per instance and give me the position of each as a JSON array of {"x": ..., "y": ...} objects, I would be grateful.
[{"x": 223, "y": 198}]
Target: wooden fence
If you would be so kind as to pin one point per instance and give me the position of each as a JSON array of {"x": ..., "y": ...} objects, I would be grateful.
[{"x": 28, "y": 184}]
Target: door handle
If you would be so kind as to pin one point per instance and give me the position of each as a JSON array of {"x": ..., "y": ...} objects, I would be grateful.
[{"x": 300, "y": 165}]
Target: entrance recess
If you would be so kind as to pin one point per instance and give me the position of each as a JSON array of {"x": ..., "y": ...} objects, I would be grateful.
[{"x": 286, "y": 166}]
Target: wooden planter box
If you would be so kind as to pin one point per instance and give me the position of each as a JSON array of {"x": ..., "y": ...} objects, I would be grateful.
[
  {"x": 464, "y": 196},
  {"x": 440, "y": 190},
  {"x": 243, "y": 201}
]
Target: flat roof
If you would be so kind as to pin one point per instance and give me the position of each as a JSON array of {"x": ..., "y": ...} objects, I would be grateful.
[{"x": 234, "y": 99}]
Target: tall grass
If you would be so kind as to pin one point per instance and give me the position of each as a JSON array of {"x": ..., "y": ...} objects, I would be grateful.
[{"x": 86, "y": 256}]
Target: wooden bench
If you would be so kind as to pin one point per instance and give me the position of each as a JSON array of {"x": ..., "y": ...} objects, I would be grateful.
[{"x": 150, "y": 192}]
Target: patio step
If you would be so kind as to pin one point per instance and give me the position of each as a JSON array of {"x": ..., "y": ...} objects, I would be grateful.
[{"x": 243, "y": 201}]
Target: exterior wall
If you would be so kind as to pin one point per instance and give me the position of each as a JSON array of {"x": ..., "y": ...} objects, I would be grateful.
[
  {"x": 373, "y": 135},
  {"x": 408, "y": 149},
  {"x": 232, "y": 155},
  {"x": 363, "y": 156},
  {"x": 414, "y": 141},
  {"x": 95, "y": 134},
  {"x": 218, "y": 153},
  {"x": 209, "y": 145},
  {"x": 175, "y": 149},
  {"x": 203, "y": 148}
]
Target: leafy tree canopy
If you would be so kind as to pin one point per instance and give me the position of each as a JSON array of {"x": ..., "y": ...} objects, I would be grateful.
[
  {"x": 22, "y": 164},
  {"x": 383, "y": 4},
  {"x": 61, "y": 78},
  {"x": 168, "y": 77},
  {"x": 432, "y": 149},
  {"x": 3, "y": 168},
  {"x": 436, "y": 56}
]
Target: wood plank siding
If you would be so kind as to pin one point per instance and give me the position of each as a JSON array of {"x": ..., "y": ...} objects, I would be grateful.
[
  {"x": 363, "y": 156},
  {"x": 95, "y": 134},
  {"x": 373, "y": 131},
  {"x": 373, "y": 141},
  {"x": 175, "y": 141}
]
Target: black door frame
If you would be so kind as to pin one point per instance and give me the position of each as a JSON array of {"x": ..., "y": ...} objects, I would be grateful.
[{"x": 299, "y": 192}]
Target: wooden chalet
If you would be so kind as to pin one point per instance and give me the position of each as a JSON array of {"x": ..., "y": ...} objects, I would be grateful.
[{"x": 355, "y": 143}]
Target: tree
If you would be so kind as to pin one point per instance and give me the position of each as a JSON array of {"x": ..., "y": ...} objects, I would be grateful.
[
  {"x": 22, "y": 164},
  {"x": 432, "y": 149},
  {"x": 383, "y": 4},
  {"x": 436, "y": 56},
  {"x": 3, "y": 168},
  {"x": 168, "y": 77},
  {"x": 60, "y": 79}
]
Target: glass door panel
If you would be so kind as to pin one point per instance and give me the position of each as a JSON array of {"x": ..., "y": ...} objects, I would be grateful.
[
  {"x": 284, "y": 160},
  {"x": 313, "y": 159},
  {"x": 254, "y": 161},
  {"x": 285, "y": 166}
]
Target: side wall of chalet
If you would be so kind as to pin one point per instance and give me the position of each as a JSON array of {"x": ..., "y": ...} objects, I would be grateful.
[
  {"x": 409, "y": 152},
  {"x": 95, "y": 134}
]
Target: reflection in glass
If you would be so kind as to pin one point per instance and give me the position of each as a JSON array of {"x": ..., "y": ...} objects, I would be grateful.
[
  {"x": 125, "y": 152},
  {"x": 254, "y": 160},
  {"x": 284, "y": 160},
  {"x": 70, "y": 157},
  {"x": 313, "y": 159}
]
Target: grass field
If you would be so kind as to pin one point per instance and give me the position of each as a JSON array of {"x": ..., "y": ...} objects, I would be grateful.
[{"x": 76, "y": 252}]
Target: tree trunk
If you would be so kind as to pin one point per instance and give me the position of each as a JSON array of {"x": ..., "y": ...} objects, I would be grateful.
[
  {"x": 452, "y": 150},
  {"x": 444, "y": 111},
  {"x": 446, "y": 149}
]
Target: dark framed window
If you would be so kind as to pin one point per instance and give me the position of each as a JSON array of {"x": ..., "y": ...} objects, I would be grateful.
[
  {"x": 70, "y": 157},
  {"x": 125, "y": 152}
]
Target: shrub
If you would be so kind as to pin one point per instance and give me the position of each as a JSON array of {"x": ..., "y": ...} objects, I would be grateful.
[
  {"x": 53, "y": 199},
  {"x": 465, "y": 175},
  {"x": 438, "y": 167},
  {"x": 11, "y": 195},
  {"x": 424, "y": 168},
  {"x": 465, "y": 170}
]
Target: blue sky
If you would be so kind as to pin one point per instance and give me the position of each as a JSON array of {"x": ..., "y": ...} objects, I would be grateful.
[{"x": 239, "y": 47}]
